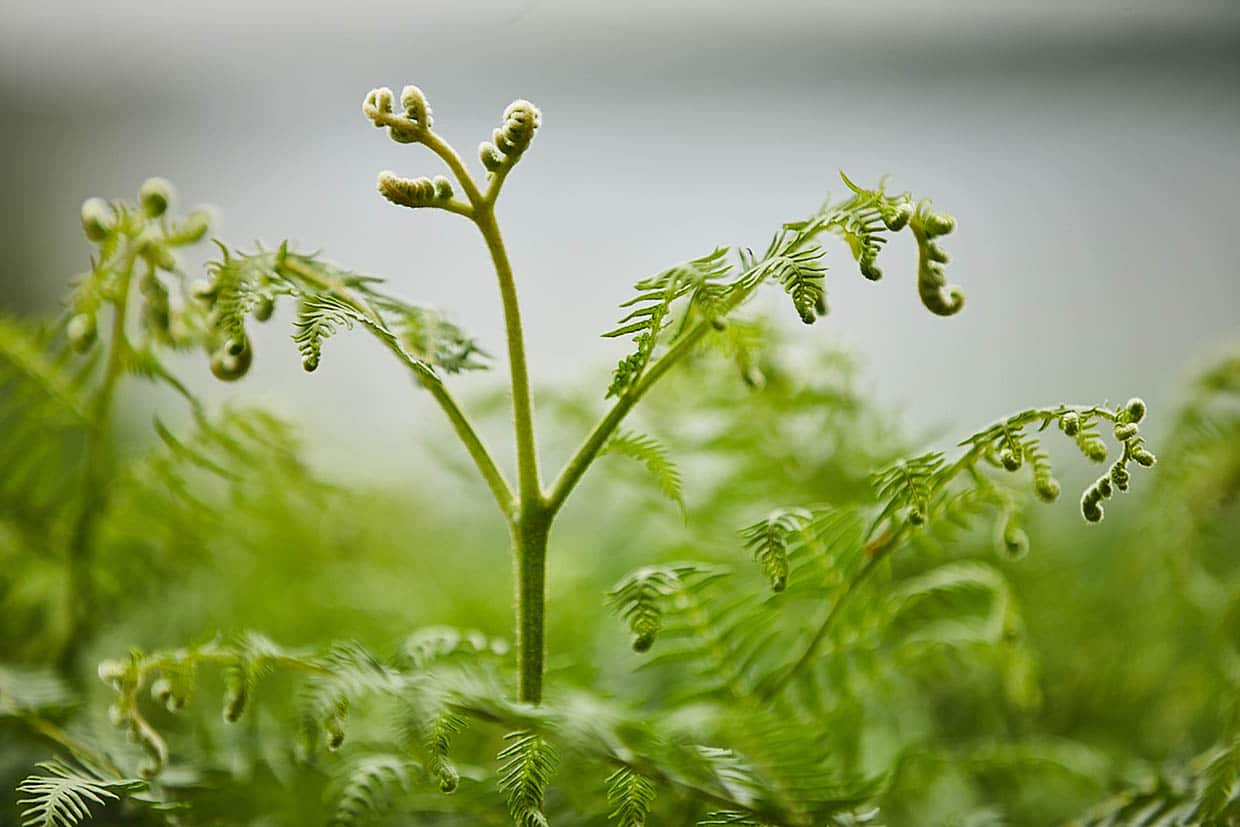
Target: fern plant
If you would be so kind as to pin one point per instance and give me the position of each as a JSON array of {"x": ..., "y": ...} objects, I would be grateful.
[{"x": 760, "y": 680}]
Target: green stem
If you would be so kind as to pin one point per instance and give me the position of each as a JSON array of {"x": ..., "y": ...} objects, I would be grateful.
[
  {"x": 80, "y": 599},
  {"x": 427, "y": 378},
  {"x": 594, "y": 442},
  {"x": 528, "y": 484},
  {"x": 877, "y": 551},
  {"x": 530, "y": 521},
  {"x": 529, "y": 540}
]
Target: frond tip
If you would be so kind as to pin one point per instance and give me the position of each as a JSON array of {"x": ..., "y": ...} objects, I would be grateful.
[
  {"x": 631, "y": 794},
  {"x": 768, "y": 541},
  {"x": 654, "y": 456},
  {"x": 525, "y": 771}
]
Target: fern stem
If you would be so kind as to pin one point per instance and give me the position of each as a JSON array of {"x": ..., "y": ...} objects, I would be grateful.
[
  {"x": 80, "y": 599},
  {"x": 528, "y": 484},
  {"x": 877, "y": 551},
  {"x": 576, "y": 467},
  {"x": 529, "y": 537}
]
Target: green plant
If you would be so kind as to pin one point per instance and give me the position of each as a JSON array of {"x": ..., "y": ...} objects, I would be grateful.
[{"x": 745, "y": 736}]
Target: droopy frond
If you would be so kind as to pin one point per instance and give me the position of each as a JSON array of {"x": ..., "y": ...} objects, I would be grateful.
[{"x": 653, "y": 455}]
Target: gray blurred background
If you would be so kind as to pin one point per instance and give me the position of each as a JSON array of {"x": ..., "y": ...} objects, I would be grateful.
[{"x": 1090, "y": 151}]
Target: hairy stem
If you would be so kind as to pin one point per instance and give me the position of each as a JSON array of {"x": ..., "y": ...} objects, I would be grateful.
[
  {"x": 529, "y": 540},
  {"x": 531, "y": 522}
]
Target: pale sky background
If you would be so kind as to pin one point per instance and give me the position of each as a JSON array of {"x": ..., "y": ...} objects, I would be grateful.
[{"x": 1090, "y": 151}]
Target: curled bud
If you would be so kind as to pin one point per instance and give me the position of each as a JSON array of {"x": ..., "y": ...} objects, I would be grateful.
[
  {"x": 335, "y": 733},
  {"x": 1014, "y": 541},
  {"x": 1104, "y": 488},
  {"x": 155, "y": 196},
  {"x": 1070, "y": 423},
  {"x": 897, "y": 218},
  {"x": 1010, "y": 459},
  {"x": 1135, "y": 410},
  {"x": 378, "y": 106},
  {"x": 264, "y": 308},
  {"x": 521, "y": 120},
  {"x": 936, "y": 253},
  {"x": 413, "y": 192},
  {"x": 161, "y": 690},
  {"x": 1091, "y": 509},
  {"x": 416, "y": 108},
  {"x": 643, "y": 641},
  {"x": 1125, "y": 431},
  {"x": 82, "y": 332},
  {"x": 230, "y": 367},
  {"x": 869, "y": 269},
  {"x": 193, "y": 228},
  {"x": 916, "y": 516},
  {"x": 491, "y": 157},
  {"x": 1047, "y": 488},
  {"x": 112, "y": 673},
  {"x": 443, "y": 188},
  {"x": 1093, "y": 448},
  {"x": 449, "y": 778},
  {"x": 939, "y": 223},
  {"x": 96, "y": 219},
  {"x": 1143, "y": 458},
  {"x": 718, "y": 323}
]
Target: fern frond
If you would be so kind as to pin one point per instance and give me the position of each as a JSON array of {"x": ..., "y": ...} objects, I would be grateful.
[
  {"x": 794, "y": 260},
  {"x": 366, "y": 789},
  {"x": 768, "y": 540},
  {"x": 319, "y": 317},
  {"x": 630, "y": 795},
  {"x": 348, "y": 673},
  {"x": 654, "y": 457},
  {"x": 65, "y": 794},
  {"x": 640, "y": 597},
  {"x": 427, "y": 335},
  {"x": 652, "y": 311},
  {"x": 526, "y": 765}
]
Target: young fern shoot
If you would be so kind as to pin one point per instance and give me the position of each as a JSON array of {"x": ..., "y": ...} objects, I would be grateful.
[{"x": 672, "y": 314}]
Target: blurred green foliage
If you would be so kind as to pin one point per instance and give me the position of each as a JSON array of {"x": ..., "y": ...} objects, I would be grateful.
[{"x": 1093, "y": 681}]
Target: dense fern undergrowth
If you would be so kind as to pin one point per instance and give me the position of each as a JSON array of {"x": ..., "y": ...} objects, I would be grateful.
[{"x": 769, "y": 603}]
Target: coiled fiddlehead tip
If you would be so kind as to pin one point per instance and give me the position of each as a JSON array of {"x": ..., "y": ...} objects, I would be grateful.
[
  {"x": 492, "y": 159},
  {"x": 1124, "y": 431},
  {"x": 1013, "y": 541},
  {"x": 1091, "y": 505},
  {"x": 643, "y": 641},
  {"x": 1135, "y": 410},
  {"x": 83, "y": 332},
  {"x": 98, "y": 219},
  {"x": 378, "y": 106},
  {"x": 414, "y": 192},
  {"x": 156, "y": 196},
  {"x": 416, "y": 107},
  {"x": 228, "y": 366},
  {"x": 1047, "y": 488}
]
